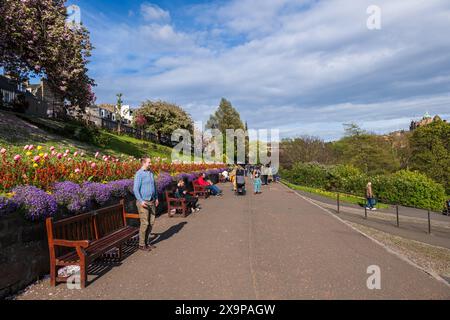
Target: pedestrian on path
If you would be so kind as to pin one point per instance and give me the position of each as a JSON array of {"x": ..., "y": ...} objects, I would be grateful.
[
  {"x": 369, "y": 196},
  {"x": 145, "y": 191},
  {"x": 256, "y": 180}
]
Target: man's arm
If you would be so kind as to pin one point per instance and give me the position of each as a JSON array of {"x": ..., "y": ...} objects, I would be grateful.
[{"x": 137, "y": 187}]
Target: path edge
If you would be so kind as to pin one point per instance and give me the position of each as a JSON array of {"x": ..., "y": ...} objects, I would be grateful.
[{"x": 393, "y": 252}]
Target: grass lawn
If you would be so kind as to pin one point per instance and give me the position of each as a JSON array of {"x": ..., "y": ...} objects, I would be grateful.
[
  {"x": 16, "y": 132},
  {"x": 332, "y": 195}
]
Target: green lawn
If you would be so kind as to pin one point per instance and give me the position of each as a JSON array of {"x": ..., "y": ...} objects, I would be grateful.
[
  {"x": 333, "y": 195},
  {"x": 15, "y": 133}
]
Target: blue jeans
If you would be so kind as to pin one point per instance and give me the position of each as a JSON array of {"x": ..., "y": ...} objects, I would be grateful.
[
  {"x": 257, "y": 185},
  {"x": 370, "y": 202},
  {"x": 214, "y": 189}
]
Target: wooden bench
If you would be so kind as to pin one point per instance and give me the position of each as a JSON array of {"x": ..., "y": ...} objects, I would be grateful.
[
  {"x": 200, "y": 191},
  {"x": 81, "y": 239},
  {"x": 179, "y": 204}
]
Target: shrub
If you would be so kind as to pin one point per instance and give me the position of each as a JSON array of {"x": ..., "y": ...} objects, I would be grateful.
[
  {"x": 409, "y": 188},
  {"x": 309, "y": 174},
  {"x": 349, "y": 179}
]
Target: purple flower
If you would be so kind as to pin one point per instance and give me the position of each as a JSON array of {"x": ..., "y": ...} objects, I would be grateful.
[
  {"x": 7, "y": 206},
  {"x": 99, "y": 192},
  {"x": 70, "y": 195},
  {"x": 163, "y": 181},
  {"x": 36, "y": 202},
  {"x": 121, "y": 188}
]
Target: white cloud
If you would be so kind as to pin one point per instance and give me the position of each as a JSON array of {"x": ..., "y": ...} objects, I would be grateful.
[
  {"x": 302, "y": 66},
  {"x": 152, "y": 12}
]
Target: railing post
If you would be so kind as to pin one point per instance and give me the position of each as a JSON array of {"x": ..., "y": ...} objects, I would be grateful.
[
  {"x": 337, "y": 200},
  {"x": 396, "y": 210},
  {"x": 365, "y": 212},
  {"x": 429, "y": 222}
]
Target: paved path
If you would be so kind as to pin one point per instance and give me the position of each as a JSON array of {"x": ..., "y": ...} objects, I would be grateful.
[{"x": 271, "y": 246}]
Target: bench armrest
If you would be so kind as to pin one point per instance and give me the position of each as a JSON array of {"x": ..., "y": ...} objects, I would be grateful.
[
  {"x": 71, "y": 243},
  {"x": 131, "y": 216}
]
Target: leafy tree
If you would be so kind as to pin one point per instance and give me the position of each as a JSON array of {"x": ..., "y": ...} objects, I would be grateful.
[
  {"x": 36, "y": 40},
  {"x": 163, "y": 117},
  {"x": 430, "y": 149},
  {"x": 225, "y": 117},
  {"x": 370, "y": 153},
  {"x": 305, "y": 149}
]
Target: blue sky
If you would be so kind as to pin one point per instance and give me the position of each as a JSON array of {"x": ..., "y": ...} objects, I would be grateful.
[{"x": 301, "y": 66}]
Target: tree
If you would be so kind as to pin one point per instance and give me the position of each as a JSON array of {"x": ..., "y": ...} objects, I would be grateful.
[
  {"x": 163, "y": 118},
  {"x": 370, "y": 153},
  {"x": 305, "y": 149},
  {"x": 430, "y": 149},
  {"x": 36, "y": 40},
  {"x": 225, "y": 117},
  {"x": 118, "y": 111}
]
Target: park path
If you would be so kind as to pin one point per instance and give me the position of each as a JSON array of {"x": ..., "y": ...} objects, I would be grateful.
[{"x": 276, "y": 245}]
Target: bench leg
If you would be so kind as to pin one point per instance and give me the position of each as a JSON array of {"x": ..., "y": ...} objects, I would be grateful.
[
  {"x": 83, "y": 273},
  {"x": 120, "y": 252},
  {"x": 52, "y": 274}
]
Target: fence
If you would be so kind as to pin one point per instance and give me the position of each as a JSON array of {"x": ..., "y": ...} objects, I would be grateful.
[{"x": 113, "y": 126}]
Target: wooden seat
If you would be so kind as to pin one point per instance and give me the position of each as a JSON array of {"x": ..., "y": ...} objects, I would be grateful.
[
  {"x": 179, "y": 204},
  {"x": 81, "y": 239},
  {"x": 200, "y": 191}
]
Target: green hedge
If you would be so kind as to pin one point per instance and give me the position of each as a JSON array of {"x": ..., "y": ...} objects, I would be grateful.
[{"x": 409, "y": 188}]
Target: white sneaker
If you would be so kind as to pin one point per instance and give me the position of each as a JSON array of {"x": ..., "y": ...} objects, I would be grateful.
[{"x": 373, "y": 209}]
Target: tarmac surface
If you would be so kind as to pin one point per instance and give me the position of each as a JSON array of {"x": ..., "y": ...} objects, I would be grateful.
[{"x": 275, "y": 245}]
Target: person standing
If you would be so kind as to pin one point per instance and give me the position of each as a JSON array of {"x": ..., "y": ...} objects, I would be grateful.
[
  {"x": 145, "y": 191},
  {"x": 256, "y": 181},
  {"x": 369, "y": 196}
]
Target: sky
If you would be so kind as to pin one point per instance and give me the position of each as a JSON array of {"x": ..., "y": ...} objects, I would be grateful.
[{"x": 304, "y": 67}]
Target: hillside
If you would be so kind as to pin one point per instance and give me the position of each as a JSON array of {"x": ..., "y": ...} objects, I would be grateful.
[{"x": 17, "y": 132}]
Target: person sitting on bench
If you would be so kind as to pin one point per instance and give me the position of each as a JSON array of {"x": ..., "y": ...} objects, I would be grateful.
[
  {"x": 181, "y": 192},
  {"x": 215, "y": 190}
]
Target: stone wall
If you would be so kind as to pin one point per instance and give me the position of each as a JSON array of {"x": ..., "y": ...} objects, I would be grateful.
[{"x": 23, "y": 253}]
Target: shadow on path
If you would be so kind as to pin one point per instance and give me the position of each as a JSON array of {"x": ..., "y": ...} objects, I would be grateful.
[{"x": 169, "y": 232}]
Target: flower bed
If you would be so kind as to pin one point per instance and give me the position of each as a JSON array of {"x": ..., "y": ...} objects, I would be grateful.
[
  {"x": 43, "y": 166},
  {"x": 93, "y": 186}
]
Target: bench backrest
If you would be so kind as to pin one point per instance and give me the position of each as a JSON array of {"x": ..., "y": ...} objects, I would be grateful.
[
  {"x": 88, "y": 226},
  {"x": 109, "y": 219}
]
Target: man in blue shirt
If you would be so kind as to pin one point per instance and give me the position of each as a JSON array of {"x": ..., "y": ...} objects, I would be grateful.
[{"x": 146, "y": 201}]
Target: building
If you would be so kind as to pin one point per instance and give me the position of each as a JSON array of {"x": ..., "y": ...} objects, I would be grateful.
[
  {"x": 16, "y": 97},
  {"x": 426, "y": 119},
  {"x": 43, "y": 92}
]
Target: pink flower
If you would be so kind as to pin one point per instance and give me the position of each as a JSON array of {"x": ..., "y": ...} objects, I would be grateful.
[
  {"x": 67, "y": 151},
  {"x": 52, "y": 148},
  {"x": 26, "y": 147},
  {"x": 77, "y": 170},
  {"x": 46, "y": 156},
  {"x": 30, "y": 147},
  {"x": 93, "y": 165},
  {"x": 69, "y": 159},
  {"x": 37, "y": 159},
  {"x": 97, "y": 154},
  {"x": 3, "y": 151},
  {"x": 82, "y": 154},
  {"x": 17, "y": 157},
  {"x": 75, "y": 154},
  {"x": 59, "y": 156}
]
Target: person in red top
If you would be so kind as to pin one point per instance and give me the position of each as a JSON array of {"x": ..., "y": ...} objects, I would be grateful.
[{"x": 215, "y": 190}]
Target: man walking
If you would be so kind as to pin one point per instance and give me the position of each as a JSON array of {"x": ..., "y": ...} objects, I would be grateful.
[
  {"x": 369, "y": 196},
  {"x": 146, "y": 201}
]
